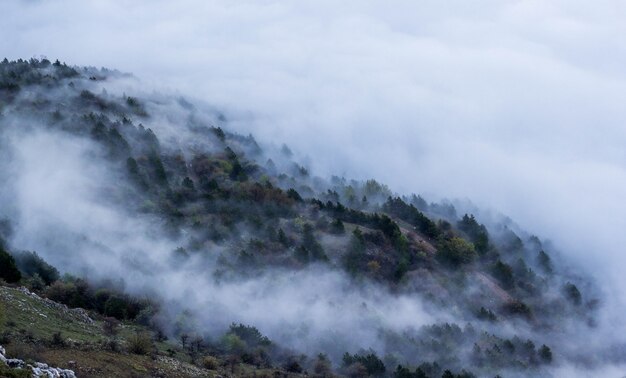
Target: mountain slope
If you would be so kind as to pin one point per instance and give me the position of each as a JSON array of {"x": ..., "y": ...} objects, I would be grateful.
[{"x": 178, "y": 223}]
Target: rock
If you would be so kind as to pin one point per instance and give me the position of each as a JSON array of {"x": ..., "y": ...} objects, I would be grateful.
[
  {"x": 14, "y": 363},
  {"x": 49, "y": 372},
  {"x": 39, "y": 369}
]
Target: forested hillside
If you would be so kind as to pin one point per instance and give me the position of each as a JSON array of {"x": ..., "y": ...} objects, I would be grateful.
[{"x": 185, "y": 239}]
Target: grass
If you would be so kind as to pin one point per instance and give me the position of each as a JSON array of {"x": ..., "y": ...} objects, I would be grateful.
[
  {"x": 31, "y": 323},
  {"x": 40, "y": 319}
]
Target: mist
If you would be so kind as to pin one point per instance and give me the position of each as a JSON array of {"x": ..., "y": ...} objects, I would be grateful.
[
  {"x": 515, "y": 106},
  {"x": 75, "y": 226}
]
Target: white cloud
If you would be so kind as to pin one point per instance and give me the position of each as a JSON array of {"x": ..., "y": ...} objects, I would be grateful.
[{"x": 518, "y": 105}]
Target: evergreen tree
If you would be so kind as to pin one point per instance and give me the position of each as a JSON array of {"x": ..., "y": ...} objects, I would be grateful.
[{"x": 8, "y": 268}]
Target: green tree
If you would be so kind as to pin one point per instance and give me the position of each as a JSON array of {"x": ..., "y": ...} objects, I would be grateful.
[
  {"x": 355, "y": 255},
  {"x": 30, "y": 264},
  {"x": 477, "y": 233},
  {"x": 293, "y": 194},
  {"x": 374, "y": 365},
  {"x": 545, "y": 262},
  {"x": 282, "y": 238},
  {"x": 249, "y": 334},
  {"x": 237, "y": 172},
  {"x": 504, "y": 274},
  {"x": 572, "y": 294},
  {"x": 337, "y": 227},
  {"x": 158, "y": 168},
  {"x": 545, "y": 354},
  {"x": 455, "y": 252},
  {"x": 447, "y": 374},
  {"x": 8, "y": 268},
  {"x": 188, "y": 184},
  {"x": 322, "y": 366},
  {"x": 309, "y": 243}
]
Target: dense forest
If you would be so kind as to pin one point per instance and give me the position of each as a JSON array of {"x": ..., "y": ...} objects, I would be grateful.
[{"x": 233, "y": 252}]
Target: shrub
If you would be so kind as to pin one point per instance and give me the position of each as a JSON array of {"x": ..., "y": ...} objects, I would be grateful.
[
  {"x": 140, "y": 343},
  {"x": 115, "y": 306},
  {"x": 210, "y": 362},
  {"x": 6, "y": 371},
  {"x": 110, "y": 326},
  {"x": 57, "y": 339},
  {"x": 35, "y": 283},
  {"x": 111, "y": 344}
]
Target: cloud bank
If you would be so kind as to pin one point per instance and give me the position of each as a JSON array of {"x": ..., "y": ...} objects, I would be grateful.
[{"x": 516, "y": 105}]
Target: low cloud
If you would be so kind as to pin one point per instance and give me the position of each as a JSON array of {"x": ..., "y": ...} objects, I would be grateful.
[{"x": 517, "y": 106}]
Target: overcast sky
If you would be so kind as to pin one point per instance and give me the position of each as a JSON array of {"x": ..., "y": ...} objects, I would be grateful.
[{"x": 519, "y": 106}]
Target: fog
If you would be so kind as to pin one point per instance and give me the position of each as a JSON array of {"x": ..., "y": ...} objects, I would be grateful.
[
  {"x": 517, "y": 106},
  {"x": 59, "y": 206}
]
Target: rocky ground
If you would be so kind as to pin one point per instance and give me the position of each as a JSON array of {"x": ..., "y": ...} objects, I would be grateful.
[{"x": 37, "y": 369}]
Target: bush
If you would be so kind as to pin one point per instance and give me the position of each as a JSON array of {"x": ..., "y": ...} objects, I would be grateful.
[
  {"x": 7, "y": 372},
  {"x": 111, "y": 344},
  {"x": 110, "y": 326},
  {"x": 115, "y": 306},
  {"x": 140, "y": 343},
  {"x": 210, "y": 362},
  {"x": 57, "y": 339},
  {"x": 35, "y": 283}
]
